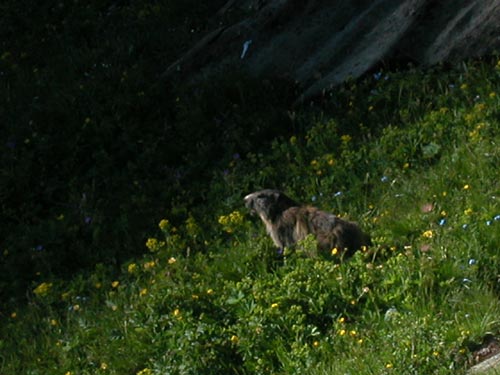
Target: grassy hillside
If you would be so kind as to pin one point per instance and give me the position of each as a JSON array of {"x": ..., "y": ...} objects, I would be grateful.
[{"x": 412, "y": 156}]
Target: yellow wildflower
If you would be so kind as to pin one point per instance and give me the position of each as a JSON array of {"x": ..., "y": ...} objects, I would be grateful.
[
  {"x": 466, "y": 187},
  {"x": 145, "y": 371},
  {"x": 115, "y": 284},
  {"x": 42, "y": 289},
  {"x": 132, "y": 267},
  {"x": 172, "y": 260},
  {"x": 65, "y": 296},
  {"x": 335, "y": 251},
  {"x": 104, "y": 366},
  {"x": 274, "y": 306},
  {"x": 234, "y": 339},
  {"x": 468, "y": 211},
  {"x": 152, "y": 244},
  {"x": 163, "y": 224},
  {"x": 316, "y": 344},
  {"x": 342, "y": 332},
  {"x": 428, "y": 234},
  {"x": 143, "y": 292},
  {"x": 346, "y": 138}
]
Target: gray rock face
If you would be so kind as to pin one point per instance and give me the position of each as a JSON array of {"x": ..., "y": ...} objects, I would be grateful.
[{"x": 320, "y": 43}]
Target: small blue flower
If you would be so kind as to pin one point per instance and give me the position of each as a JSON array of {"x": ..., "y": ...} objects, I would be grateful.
[
  {"x": 466, "y": 280},
  {"x": 442, "y": 222},
  {"x": 314, "y": 198},
  {"x": 465, "y": 226},
  {"x": 489, "y": 222},
  {"x": 337, "y": 194},
  {"x": 377, "y": 76},
  {"x": 472, "y": 261},
  {"x": 39, "y": 248},
  {"x": 384, "y": 179},
  {"x": 497, "y": 218}
]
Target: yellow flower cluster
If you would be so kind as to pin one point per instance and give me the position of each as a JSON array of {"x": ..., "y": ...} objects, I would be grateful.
[
  {"x": 42, "y": 289},
  {"x": 232, "y": 221},
  {"x": 319, "y": 165},
  {"x": 132, "y": 267},
  {"x": 154, "y": 245},
  {"x": 346, "y": 138},
  {"x": 475, "y": 134},
  {"x": 164, "y": 224},
  {"x": 428, "y": 234}
]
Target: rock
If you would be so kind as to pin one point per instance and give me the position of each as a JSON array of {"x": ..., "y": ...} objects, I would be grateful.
[
  {"x": 319, "y": 44},
  {"x": 491, "y": 366}
]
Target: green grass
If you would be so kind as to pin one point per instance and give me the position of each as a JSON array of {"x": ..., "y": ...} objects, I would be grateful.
[
  {"x": 89, "y": 284},
  {"x": 413, "y": 158}
]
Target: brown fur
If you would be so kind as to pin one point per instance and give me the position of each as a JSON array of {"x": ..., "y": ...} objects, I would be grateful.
[{"x": 288, "y": 222}]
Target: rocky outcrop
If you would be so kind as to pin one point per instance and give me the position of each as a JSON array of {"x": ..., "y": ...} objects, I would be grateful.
[{"x": 320, "y": 43}]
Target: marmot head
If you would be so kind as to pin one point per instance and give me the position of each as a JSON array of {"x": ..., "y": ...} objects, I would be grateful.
[{"x": 268, "y": 203}]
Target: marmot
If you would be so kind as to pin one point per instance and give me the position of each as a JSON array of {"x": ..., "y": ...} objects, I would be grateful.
[{"x": 288, "y": 222}]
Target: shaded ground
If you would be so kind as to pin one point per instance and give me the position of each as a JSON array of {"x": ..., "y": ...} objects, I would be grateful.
[{"x": 319, "y": 43}]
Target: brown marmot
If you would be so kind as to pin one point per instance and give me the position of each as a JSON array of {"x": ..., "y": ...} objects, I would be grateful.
[{"x": 288, "y": 222}]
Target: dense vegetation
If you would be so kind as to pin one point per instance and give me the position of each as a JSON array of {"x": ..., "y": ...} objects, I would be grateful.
[{"x": 124, "y": 230}]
